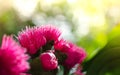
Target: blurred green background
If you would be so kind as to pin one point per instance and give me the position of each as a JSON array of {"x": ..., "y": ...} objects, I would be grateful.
[{"x": 89, "y": 23}]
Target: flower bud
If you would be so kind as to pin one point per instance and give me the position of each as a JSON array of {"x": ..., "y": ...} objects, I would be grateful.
[{"x": 48, "y": 61}]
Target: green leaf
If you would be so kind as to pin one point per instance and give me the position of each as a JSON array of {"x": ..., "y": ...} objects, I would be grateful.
[
  {"x": 93, "y": 43},
  {"x": 60, "y": 70},
  {"x": 107, "y": 61},
  {"x": 115, "y": 32}
]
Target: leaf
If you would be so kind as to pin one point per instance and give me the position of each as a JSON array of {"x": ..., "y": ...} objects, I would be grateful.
[
  {"x": 115, "y": 32},
  {"x": 60, "y": 70},
  {"x": 93, "y": 43},
  {"x": 107, "y": 61}
]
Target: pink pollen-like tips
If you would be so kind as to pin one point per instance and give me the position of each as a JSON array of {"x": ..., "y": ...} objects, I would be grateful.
[
  {"x": 48, "y": 61},
  {"x": 13, "y": 60},
  {"x": 32, "y": 39},
  {"x": 51, "y": 33}
]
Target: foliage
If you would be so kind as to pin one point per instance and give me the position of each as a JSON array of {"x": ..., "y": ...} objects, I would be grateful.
[{"x": 107, "y": 60}]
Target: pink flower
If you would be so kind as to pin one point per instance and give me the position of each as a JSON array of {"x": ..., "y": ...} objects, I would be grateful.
[
  {"x": 75, "y": 56},
  {"x": 13, "y": 60},
  {"x": 48, "y": 61},
  {"x": 31, "y": 39},
  {"x": 50, "y": 32},
  {"x": 62, "y": 45},
  {"x": 74, "y": 53}
]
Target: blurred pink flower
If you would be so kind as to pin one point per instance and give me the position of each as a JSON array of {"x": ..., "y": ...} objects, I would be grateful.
[
  {"x": 50, "y": 32},
  {"x": 48, "y": 61},
  {"x": 74, "y": 53},
  {"x": 32, "y": 39},
  {"x": 13, "y": 60}
]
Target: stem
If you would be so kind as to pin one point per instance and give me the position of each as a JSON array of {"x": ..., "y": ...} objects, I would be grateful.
[
  {"x": 48, "y": 46},
  {"x": 36, "y": 54},
  {"x": 66, "y": 71}
]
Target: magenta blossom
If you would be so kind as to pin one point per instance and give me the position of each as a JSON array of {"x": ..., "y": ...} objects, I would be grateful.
[
  {"x": 13, "y": 60},
  {"x": 74, "y": 53},
  {"x": 62, "y": 45},
  {"x": 31, "y": 39},
  {"x": 48, "y": 60},
  {"x": 50, "y": 32},
  {"x": 77, "y": 55}
]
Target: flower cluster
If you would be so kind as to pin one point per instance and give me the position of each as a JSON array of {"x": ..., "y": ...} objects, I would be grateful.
[
  {"x": 36, "y": 38},
  {"x": 42, "y": 43},
  {"x": 46, "y": 40}
]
